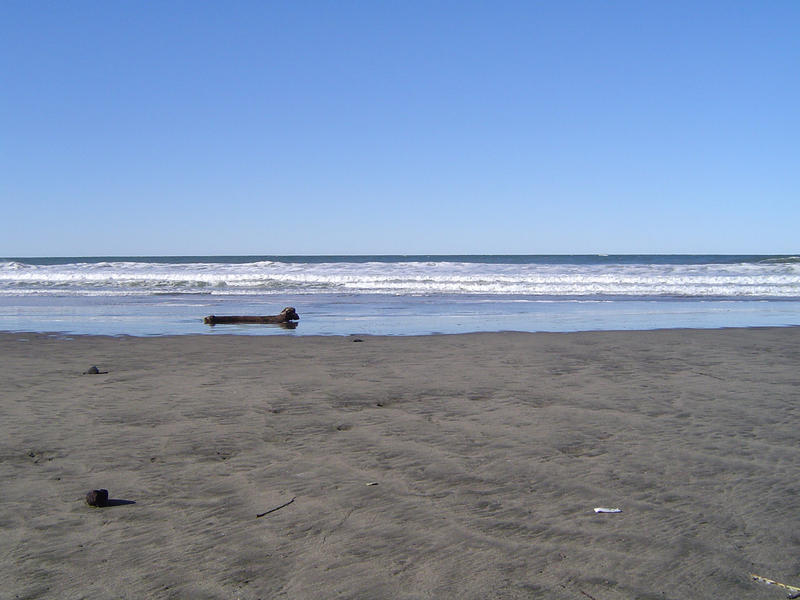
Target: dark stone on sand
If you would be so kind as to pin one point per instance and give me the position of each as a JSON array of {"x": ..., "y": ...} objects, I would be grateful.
[
  {"x": 358, "y": 340},
  {"x": 93, "y": 370},
  {"x": 97, "y": 498}
]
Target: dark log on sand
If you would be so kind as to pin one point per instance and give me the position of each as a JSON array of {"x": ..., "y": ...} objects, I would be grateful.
[{"x": 287, "y": 314}]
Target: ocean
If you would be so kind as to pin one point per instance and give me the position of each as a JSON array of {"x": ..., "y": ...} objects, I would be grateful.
[{"x": 397, "y": 295}]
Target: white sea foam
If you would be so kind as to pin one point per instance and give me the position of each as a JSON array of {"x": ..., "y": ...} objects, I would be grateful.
[{"x": 765, "y": 279}]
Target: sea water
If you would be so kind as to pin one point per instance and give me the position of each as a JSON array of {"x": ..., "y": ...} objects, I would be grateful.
[{"x": 398, "y": 295}]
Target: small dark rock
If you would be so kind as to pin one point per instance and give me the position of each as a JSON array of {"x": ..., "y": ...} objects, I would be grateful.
[
  {"x": 357, "y": 340},
  {"x": 97, "y": 498},
  {"x": 93, "y": 370}
]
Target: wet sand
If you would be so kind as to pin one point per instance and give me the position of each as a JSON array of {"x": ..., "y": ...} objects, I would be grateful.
[{"x": 459, "y": 466}]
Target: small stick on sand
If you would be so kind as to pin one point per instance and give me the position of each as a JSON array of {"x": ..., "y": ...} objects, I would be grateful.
[
  {"x": 276, "y": 508},
  {"x": 791, "y": 588}
]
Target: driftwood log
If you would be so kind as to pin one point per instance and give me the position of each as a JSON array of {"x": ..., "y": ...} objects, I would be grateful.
[{"x": 287, "y": 315}]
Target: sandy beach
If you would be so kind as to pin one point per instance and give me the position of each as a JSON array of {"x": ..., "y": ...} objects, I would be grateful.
[{"x": 458, "y": 466}]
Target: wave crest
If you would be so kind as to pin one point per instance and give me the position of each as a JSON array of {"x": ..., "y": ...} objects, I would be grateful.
[{"x": 767, "y": 279}]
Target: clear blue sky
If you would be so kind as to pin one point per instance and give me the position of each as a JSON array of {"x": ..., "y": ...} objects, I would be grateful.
[{"x": 399, "y": 127}]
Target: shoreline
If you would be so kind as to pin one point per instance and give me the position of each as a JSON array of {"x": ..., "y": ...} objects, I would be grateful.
[
  {"x": 295, "y": 335},
  {"x": 435, "y": 466}
]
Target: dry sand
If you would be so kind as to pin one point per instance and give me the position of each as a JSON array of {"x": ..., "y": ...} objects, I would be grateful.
[{"x": 489, "y": 452}]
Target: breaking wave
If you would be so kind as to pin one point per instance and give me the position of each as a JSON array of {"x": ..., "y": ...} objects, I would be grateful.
[{"x": 755, "y": 279}]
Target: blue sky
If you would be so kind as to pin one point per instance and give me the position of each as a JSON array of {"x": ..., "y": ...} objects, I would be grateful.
[{"x": 174, "y": 127}]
